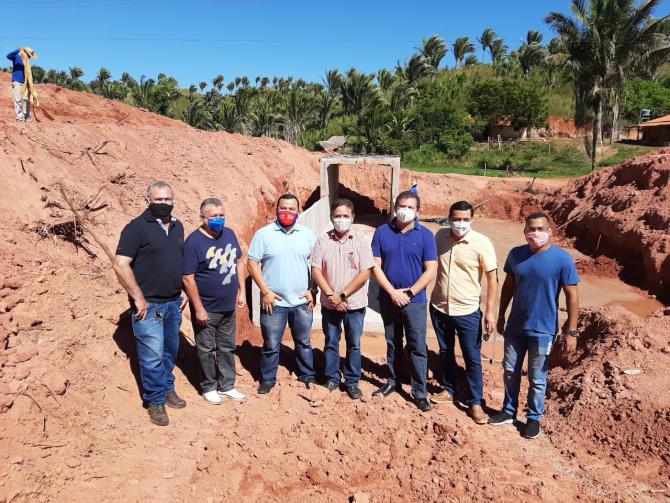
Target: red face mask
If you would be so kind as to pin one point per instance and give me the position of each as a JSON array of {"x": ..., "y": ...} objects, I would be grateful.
[{"x": 286, "y": 218}]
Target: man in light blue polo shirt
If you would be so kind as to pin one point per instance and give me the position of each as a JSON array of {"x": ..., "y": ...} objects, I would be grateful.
[{"x": 279, "y": 264}]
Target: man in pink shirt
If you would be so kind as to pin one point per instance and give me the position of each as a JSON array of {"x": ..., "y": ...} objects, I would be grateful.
[{"x": 341, "y": 263}]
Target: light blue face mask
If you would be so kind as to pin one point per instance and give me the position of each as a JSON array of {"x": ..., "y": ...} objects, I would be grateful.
[{"x": 216, "y": 224}]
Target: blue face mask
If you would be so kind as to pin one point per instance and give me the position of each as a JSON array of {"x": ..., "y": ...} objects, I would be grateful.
[{"x": 216, "y": 224}]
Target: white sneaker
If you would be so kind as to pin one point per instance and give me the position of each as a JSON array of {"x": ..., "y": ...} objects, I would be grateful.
[
  {"x": 212, "y": 397},
  {"x": 232, "y": 394}
]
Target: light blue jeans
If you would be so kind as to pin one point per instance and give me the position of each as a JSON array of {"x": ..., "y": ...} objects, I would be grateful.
[
  {"x": 299, "y": 320},
  {"x": 538, "y": 346},
  {"x": 157, "y": 337}
]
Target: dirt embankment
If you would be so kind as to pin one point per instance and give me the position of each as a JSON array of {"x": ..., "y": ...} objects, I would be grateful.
[
  {"x": 609, "y": 399},
  {"x": 622, "y": 213}
]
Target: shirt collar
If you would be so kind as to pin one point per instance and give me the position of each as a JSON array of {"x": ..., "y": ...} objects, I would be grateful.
[
  {"x": 279, "y": 227},
  {"x": 393, "y": 225},
  {"x": 333, "y": 235},
  {"x": 150, "y": 218}
]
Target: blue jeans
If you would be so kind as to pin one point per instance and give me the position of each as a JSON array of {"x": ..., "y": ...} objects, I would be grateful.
[
  {"x": 409, "y": 321},
  {"x": 538, "y": 346},
  {"x": 299, "y": 319},
  {"x": 157, "y": 337},
  {"x": 469, "y": 330},
  {"x": 332, "y": 322}
]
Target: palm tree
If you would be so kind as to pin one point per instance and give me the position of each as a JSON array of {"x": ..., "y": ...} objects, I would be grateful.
[
  {"x": 470, "y": 60},
  {"x": 197, "y": 115},
  {"x": 192, "y": 89},
  {"x": 76, "y": 73},
  {"x": 385, "y": 79},
  {"x": 230, "y": 86},
  {"x": 202, "y": 86},
  {"x": 333, "y": 81},
  {"x": 433, "y": 50},
  {"x": 534, "y": 37},
  {"x": 462, "y": 47},
  {"x": 487, "y": 38},
  {"x": 603, "y": 44},
  {"x": 357, "y": 92},
  {"x": 296, "y": 115},
  {"x": 414, "y": 70},
  {"x": 498, "y": 50},
  {"x": 529, "y": 56},
  {"x": 218, "y": 82}
]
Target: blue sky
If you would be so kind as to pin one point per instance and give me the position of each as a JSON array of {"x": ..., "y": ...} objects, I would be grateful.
[{"x": 196, "y": 40}]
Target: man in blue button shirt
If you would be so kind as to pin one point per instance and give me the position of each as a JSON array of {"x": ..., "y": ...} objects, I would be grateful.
[
  {"x": 536, "y": 273},
  {"x": 279, "y": 264},
  {"x": 406, "y": 261}
]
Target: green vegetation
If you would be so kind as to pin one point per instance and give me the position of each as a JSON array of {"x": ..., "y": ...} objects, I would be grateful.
[
  {"x": 559, "y": 158},
  {"x": 606, "y": 62}
]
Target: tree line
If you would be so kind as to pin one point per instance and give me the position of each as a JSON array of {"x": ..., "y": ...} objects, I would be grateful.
[{"x": 606, "y": 51}]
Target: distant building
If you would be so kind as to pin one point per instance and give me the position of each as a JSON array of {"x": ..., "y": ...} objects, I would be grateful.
[{"x": 655, "y": 132}]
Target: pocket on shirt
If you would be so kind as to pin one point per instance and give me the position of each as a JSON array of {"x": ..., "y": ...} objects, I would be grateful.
[{"x": 352, "y": 261}]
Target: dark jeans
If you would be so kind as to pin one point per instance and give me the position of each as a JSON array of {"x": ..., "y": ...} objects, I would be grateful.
[
  {"x": 157, "y": 337},
  {"x": 469, "y": 330},
  {"x": 215, "y": 345},
  {"x": 299, "y": 319},
  {"x": 409, "y": 321},
  {"x": 332, "y": 322},
  {"x": 538, "y": 346}
]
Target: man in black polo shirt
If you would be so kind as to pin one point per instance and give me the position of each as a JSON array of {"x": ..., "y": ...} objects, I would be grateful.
[{"x": 148, "y": 264}]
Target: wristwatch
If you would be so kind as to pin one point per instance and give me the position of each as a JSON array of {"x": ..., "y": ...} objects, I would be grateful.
[
  {"x": 572, "y": 333},
  {"x": 409, "y": 293},
  {"x": 343, "y": 296}
]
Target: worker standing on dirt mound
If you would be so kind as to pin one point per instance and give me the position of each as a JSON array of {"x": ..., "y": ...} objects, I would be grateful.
[
  {"x": 211, "y": 279},
  {"x": 465, "y": 256},
  {"x": 536, "y": 273},
  {"x": 279, "y": 264},
  {"x": 405, "y": 262},
  {"x": 148, "y": 264},
  {"x": 22, "y": 82},
  {"x": 341, "y": 263}
]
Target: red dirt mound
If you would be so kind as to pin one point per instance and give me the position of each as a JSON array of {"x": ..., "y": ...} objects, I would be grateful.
[
  {"x": 608, "y": 399},
  {"x": 623, "y": 213}
]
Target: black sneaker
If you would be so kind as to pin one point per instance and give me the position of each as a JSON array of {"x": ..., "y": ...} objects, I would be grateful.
[
  {"x": 309, "y": 382},
  {"x": 423, "y": 404},
  {"x": 354, "y": 392},
  {"x": 158, "y": 414},
  {"x": 501, "y": 418},
  {"x": 265, "y": 388},
  {"x": 330, "y": 386},
  {"x": 532, "y": 429},
  {"x": 173, "y": 401}
]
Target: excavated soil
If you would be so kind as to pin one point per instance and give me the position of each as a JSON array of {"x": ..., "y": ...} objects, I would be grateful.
[
  {"x": 71, "y": 423},
  {"x": 622, "y": 213}
]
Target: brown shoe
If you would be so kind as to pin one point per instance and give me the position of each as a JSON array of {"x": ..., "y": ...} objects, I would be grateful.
[
  {"x": 442, "y": 397},
  {"x": 477, "y": 414},
  {"x": 158, "y": 414},
  {"x": 173, "y": 401}
]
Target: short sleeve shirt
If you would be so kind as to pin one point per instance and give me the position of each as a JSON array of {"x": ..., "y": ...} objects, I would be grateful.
[
  {"x": 156, "y": 256},
  {"x": 538, "y": 279},
  {"x": 213, "y": 261},
  {"x": 340, "y": 262},
  {"x": 284, "y": 258},
  {"x": 403, "y": 256},
  {"x": 461, "y": 265}
]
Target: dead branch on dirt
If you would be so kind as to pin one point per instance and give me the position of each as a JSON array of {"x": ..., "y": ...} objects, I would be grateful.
[
  {"x": 120, "y": 179},
  {"x": 84, "y": 221},
  {"x": 99, "y": 149},
  {"x": 27, "y": 171},
  {"x": 69, "y": 230},
  {"x": 480, "y": 204}
]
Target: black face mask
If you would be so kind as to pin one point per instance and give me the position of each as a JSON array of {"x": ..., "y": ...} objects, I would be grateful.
[{"x": 160, "y": 210}]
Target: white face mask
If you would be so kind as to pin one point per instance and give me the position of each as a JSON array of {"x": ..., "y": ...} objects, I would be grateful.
[
  {"x": 342, "y": 224},
  {"x": 405, "y": 215},
  {"x": 460, "y": 228}
]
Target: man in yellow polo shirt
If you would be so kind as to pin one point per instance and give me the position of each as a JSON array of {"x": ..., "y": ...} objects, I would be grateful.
[{"x": 464, "y": 257}]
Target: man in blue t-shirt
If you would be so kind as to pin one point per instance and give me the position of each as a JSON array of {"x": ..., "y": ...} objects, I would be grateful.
[
  {"x": 536, "y": 273},
  {"x": 211, "y": 279},
  {"x": 405, "y": 256}
]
